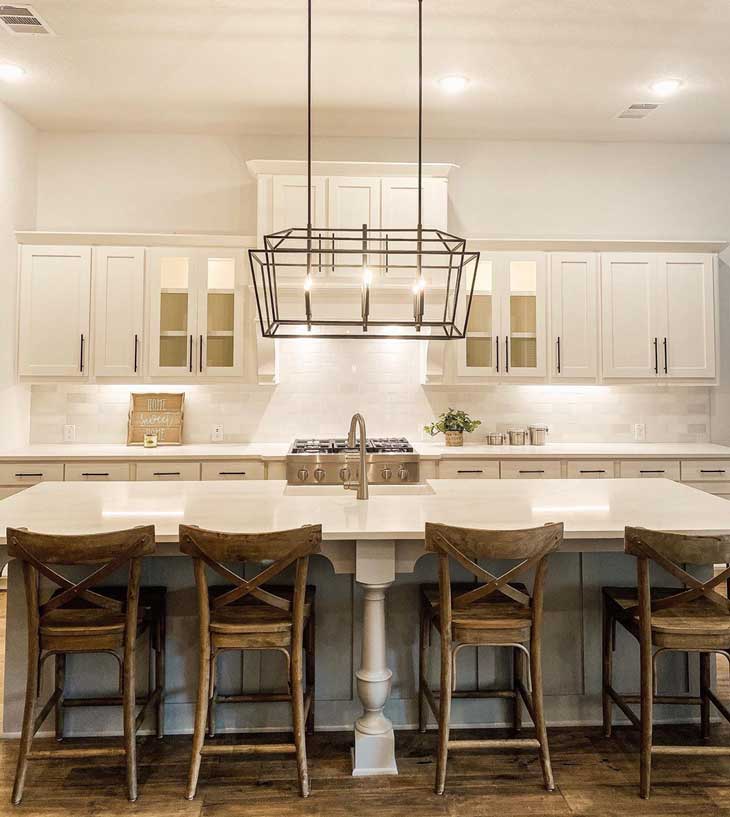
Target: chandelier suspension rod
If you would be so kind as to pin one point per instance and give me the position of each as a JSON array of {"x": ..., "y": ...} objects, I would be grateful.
[
  {"x": 420, "y": 108},
  {"x": 309, "y": 118}
]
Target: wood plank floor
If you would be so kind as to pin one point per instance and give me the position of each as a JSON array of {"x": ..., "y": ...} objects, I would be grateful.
[{"x": 594, "y": 777}]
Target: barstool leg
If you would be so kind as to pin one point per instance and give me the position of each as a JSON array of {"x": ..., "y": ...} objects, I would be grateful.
[
  {"x": 26, "y": 736},
  {"x": 517, "y": 675},
  {"x": 212, "y": 696},
  {"x": 297, "y": 703},
  {"x": 201, "y": 711},
  {"x": 705, "y": 685},
  {"x": 607, "y": 671},
  {"x": 128, "y": 702},
  {"x": 160, "y": 672},
  {"x": 444, "y": 713},
  {"x": 423, "y": 669},
  {"x": 537, "y": 704},
  {"x": 60, "y": 661},
  {"x": 311, "y": 669}
]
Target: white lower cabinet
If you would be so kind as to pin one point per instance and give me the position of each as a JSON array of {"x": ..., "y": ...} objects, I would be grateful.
[
  {"x": 96, "y": 471},
  {"x": 168, "y": 471},
  {"x": 530, "y": 469},
  {"x": 591, "y": 469},
  {"x": 468, "y": 469},
  {"x": 29, "y": 473},
  {"x": 232, "y": 470},
  {"x": 705, "y": 470},
  {"x": 648, "y": 469}
]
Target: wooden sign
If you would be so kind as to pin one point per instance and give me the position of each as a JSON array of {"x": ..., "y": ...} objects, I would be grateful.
[{"x": 160, "y": 414}]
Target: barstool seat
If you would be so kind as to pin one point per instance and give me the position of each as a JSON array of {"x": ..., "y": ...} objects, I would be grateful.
[
  {"x": 495, "y": 618},
  {"x": 249, "y": 615}
]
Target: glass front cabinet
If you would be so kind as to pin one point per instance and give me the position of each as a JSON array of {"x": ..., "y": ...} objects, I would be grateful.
[
  {"x": 196, "y": 313},
  {"x": 506, "y": 331}
]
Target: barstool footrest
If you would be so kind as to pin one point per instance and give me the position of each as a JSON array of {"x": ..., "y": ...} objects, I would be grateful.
[
  {"x": 53, "y": 754},
  {"x": 690, "y": 750},
  {"x": 249, "y": 749},
  {"x": 506, "y": 743}
]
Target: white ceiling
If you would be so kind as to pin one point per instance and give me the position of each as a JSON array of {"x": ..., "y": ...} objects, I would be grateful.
[{"x": 547, "y": 69}]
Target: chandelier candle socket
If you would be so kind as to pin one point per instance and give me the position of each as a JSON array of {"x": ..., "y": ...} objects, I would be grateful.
[{"x": 364, "y": 275}]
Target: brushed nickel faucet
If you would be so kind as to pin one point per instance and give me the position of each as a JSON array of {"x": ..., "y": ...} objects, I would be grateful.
[{"x": 361, "y": 486}]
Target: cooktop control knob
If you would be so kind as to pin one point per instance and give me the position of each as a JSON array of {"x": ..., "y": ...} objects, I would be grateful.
[
  {"x": 402, "y": 473},
  {"x": 345, "y": 474},
  {"x": 318, "y": 474},
  {"x": 303, "y": 474},
  {"x": 386, "y": 473}
]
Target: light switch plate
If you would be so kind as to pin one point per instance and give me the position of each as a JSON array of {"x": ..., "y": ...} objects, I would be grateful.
[
  {"x": 639, "y": 432},
  {"x": 69, "y": 434},
  {"x": 216, "y": 435}
]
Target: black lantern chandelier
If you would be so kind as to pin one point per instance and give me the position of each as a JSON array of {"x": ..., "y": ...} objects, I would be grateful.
[{"x": 364, "y": 282}]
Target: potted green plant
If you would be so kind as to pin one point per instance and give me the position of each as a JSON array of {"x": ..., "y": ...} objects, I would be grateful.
[{"x": 452, "y": 424}]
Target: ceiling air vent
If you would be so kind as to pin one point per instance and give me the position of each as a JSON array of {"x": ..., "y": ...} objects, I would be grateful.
[
  {"x": 639, "y": 110},
  {"x": 22, "y": 20}
]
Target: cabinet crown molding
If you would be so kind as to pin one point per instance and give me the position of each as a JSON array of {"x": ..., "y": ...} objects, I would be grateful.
[
  {"x": 41, "y": 238},
  {"x": 296, "y": 167}
]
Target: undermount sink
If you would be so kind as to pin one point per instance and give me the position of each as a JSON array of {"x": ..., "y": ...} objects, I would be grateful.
[{"x": 412, "y": 489}]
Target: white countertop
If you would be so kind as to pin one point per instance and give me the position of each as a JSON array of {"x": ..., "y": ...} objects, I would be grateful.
[
  {"x": 590, "y": 509},
  {"x": 71, "y": 452}
]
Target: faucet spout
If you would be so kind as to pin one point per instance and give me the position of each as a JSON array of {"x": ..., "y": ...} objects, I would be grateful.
[{"x": 358, "y": 424}]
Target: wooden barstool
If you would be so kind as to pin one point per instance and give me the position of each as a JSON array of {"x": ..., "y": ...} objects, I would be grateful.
[
  {"x": 495, "y": 612},
  {"x": 254, "y": 615},
  {"x": 693, "y": 618},
  {"x": 85, "y": 617}
]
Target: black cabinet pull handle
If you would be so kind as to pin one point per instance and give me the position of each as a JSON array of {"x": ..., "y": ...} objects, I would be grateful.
[
  {"x": 81, "y": 354},
  {"x": 136, "y": 347},
  {"x": 506, "y": 353},
  {"x": 652, "y": 472},
  {"x": 29, "y": 475},
  {"x": 533, "y": 471},
  {"x": 593, "y": 471},
  {"x": 656, "y": 356},
  {"x": 166, "y": 474},
  {"x": 231, "y": 473},
  {"x": 470, "y": 471},
  {"x": 558, "y": 354},
  {"x": 190, "y": 355},
  {"x": 95, "y": 474},
  {"x": 200, "y": 356},
  {"x": 497, "y": 354},
  {"x": 712, "y": 470},
  {"x": 666, "y": 358}
]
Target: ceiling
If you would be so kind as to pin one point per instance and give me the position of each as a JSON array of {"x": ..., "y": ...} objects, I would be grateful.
[{"x": 539, "y": 69}]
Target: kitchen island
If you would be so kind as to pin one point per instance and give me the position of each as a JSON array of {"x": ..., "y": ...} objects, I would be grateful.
[{"x": 367, "y": 599}]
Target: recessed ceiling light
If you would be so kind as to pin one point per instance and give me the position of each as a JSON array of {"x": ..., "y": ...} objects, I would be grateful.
[
  {"x": 11, "y": 73},
  {"x": 666, "y": 87},
  {"x": 454, "y": 84}
]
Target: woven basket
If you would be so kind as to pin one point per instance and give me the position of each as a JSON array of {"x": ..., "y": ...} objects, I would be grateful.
[{"x": 454, "y": 437}]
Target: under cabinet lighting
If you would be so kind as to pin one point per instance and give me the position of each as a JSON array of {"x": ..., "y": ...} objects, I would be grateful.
[
  {"x": 454, "y": 84},
  {"x": 666, "y": 87},
  {"x": 11, "y": 73}
]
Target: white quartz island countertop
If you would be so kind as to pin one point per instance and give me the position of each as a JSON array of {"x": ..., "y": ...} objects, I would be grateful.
[
  {"x": 70, "y": 452},
  {"x": 590, "y": 509}
]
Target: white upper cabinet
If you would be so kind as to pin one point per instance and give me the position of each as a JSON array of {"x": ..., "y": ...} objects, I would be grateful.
[
  {"x": 352, "y": 202},
  {"x": 195, "y": 313},
  {"x": 54, "y": 311},
  {"x": 687, "y": 343},
  {"x": 631, "y": 320},
  {"x": 506, "y": 331},
  {"x": 658, "y": 315},
  {"x": 574, "y": 315},
  {"x": 118, "y": 284}
]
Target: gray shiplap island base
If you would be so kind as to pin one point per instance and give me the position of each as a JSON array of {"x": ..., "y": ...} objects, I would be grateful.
[{"x": 367, "y": 598}]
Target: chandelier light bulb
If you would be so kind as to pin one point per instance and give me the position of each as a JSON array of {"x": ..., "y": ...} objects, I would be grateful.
[{"x": 308, "y": 283}]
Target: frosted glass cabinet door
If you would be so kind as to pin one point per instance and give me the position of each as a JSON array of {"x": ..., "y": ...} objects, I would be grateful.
[
  {"x": 54, "y": 311},
  {"x": 118, "y": 276},
  {"x": 523, "y": 315},
  {"x": 574, "y": 315},
  {"x": 220, "y": 314},
  {"x": 478, "y": 353},
  {"x": 173, "y": 293}
]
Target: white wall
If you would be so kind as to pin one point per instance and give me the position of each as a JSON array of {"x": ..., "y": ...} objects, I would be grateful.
[
  {"x": 187, "y": 183},
  {"x": 17, "y": 211}
]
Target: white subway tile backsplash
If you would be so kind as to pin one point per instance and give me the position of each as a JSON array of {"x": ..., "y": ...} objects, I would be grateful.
[{"x": 324, "y": 382}]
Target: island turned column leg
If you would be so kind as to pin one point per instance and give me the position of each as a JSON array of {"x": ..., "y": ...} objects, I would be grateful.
[{"x": 374, "y": 752}]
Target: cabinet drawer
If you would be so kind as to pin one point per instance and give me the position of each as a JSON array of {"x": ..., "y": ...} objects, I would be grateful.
[
  {"x": 530, "y": 469},
  {"x": 28, "y": 473},
  {"x": 149, "y": 471},
  {"x": 97, "y": 471},
  {"x": 705, "y": 470},
  {"x": 591, "y": 469},
  {"x": 469, "y": 469},
  {"x": 240, "y": 469},
  {"x": 661, "y": 469},
  {"x": 717, "y": 488}
]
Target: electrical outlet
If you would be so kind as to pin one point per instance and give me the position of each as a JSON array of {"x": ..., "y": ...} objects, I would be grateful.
[
  {"x": 216, "y": 435},
  {"x": 639, "y": 432},
  {"x": 69, "y": 434}
]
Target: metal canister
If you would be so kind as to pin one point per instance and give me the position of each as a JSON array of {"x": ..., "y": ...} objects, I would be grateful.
[
  {"x": 538, "y": 434},
  {"x": 517, "y": 436},
  {"x": 496, "y": 438}
]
